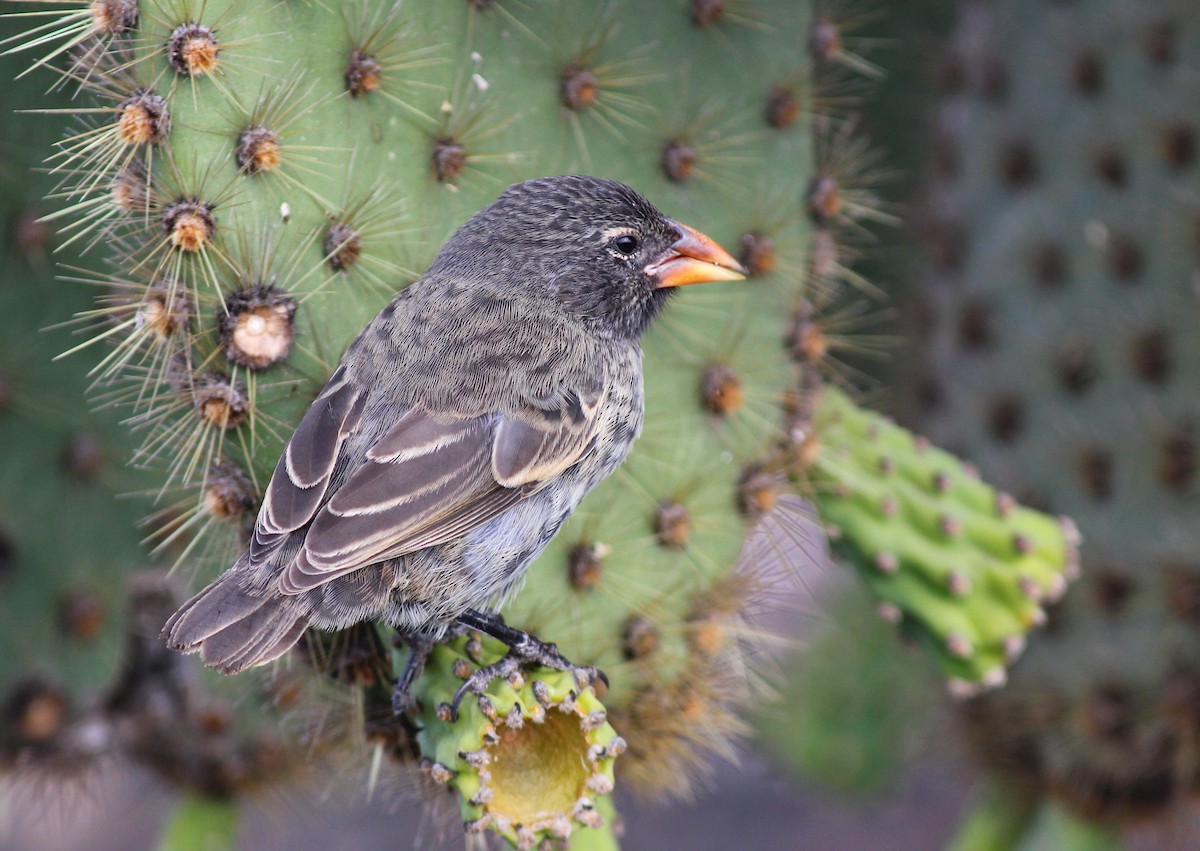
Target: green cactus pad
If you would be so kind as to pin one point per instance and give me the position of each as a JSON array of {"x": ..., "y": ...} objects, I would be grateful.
[
  {"x": 69, "y": 545},
  {"x": 269, "y": 176},
  {"x": 1060, "y": 355},
  {"x": 266, "y": 177},
  {"x": 956, "y": 563}
]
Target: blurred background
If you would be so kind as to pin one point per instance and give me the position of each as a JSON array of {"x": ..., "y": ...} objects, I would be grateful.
[{"x": 1032, "y": 247}]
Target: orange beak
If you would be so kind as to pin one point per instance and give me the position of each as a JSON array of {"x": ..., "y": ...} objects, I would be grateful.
[{"x": 693, "y": 259}]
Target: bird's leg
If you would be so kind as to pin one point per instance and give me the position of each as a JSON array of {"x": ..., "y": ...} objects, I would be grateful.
[
  {"x": 419, "y": 645},
  {"x": 523, "y": 649}
]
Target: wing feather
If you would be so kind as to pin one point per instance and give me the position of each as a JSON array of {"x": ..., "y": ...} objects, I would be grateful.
[
  {"x": 524, "y": 453},
  {"x": 297, "y": 488},
  {"x": 430, "y": 479},
  {"x": 439, "y": 465},
  {"x": 410, "y": 496}
]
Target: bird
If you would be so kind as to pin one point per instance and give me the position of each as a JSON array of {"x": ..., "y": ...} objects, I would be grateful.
[{"x": 462, "y": 427}]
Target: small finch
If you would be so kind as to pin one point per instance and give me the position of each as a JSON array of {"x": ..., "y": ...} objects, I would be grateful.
[{"x": 460, "y": 430}]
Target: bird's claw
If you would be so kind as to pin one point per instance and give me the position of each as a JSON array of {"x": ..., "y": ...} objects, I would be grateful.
[
  {"x": 523, "y": 649},
  {"x": 534, "y": 652},
  {"x": 479, "y": 680},
  {"x": 403, "y": 703},
  {"x": 528, "y": 652},
  {"x": 419, "y": 647}
]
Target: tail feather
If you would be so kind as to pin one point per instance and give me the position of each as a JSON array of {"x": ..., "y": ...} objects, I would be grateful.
[
  {"x": 232, "y": 629},
  {"x": 260, "y": 638},
  {"x": 219, "y": 605}
]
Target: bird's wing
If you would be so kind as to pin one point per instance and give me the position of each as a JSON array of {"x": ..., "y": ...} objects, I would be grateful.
[
  {"x": 301, "y": 478},
  {"x": 431, "y": 479}
]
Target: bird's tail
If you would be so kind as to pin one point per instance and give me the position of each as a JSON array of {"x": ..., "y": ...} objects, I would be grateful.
[{"x": 233, "y": 630}]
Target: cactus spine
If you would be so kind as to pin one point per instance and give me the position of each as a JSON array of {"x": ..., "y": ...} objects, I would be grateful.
[{"x": 268, "y": 175}]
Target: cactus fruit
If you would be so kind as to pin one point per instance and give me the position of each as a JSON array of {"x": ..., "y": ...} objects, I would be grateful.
[
  {"x": 268, "y": 175},
  {"x": 528, "y": 757},
  {"x": 1060, "y": 309}
]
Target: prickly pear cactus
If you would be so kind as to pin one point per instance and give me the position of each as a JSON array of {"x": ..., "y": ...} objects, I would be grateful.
[
  {"x": 270, "y": 183},
  {"x": 269, "y": 175},
  {"x": 956, "y": 563},
  {"x": 1060, "y": 353},
  {"x": 84, "y": 680},
  {"x": 67, "y": 545}
]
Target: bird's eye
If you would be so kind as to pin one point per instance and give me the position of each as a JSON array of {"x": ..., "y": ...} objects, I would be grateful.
[{"x": 626, "y": 244}]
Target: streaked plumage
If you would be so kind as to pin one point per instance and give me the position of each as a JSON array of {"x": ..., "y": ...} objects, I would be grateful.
[{"x": 462, "y": 427}]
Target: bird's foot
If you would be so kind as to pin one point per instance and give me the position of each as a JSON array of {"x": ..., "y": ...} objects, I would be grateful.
[
  {"x": 523, "y": 650},
  {"x": 419, "y": 646}
]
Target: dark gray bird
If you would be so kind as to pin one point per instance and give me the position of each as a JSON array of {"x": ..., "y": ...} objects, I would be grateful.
[{"x": 462, "y": 427}]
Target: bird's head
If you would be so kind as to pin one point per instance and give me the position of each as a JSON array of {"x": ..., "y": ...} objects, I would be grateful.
[{"x": 598, "y": 248}]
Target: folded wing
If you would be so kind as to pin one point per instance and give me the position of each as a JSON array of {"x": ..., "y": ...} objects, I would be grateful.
[{"x": 427, "y": 480}]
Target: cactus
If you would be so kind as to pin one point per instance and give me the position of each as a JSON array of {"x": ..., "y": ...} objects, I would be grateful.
[
  {"x": 960, "y": 565},
  {"x": 268, "y": 175},
  {"x": 269, "y": 185},
  {"x": 527, "y": 756},
  {"x": 84, "y": 681},
  {"x": 65, "y": 564},
  {"x": 1059, "y": 338},
  {"x": 848, "y": 708}
]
